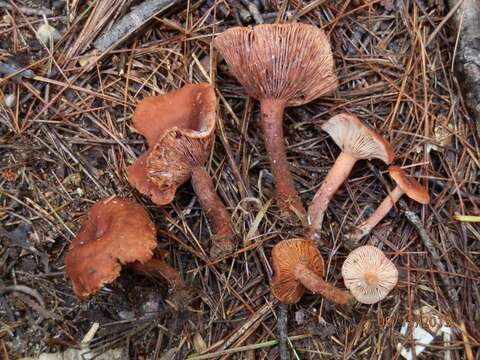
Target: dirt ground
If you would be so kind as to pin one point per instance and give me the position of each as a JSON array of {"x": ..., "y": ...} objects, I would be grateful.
[{"x": 66, "y": 140}]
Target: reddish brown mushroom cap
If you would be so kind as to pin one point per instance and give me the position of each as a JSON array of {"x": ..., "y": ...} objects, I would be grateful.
[
  {"x": 179, "y": 127},
  {"x": 411, "y": 187},
  {"x": 286, "y": 255},
  {"x": 290, "y": 62},
  {"x": 191, "y": 107},
  {"x": 357, "y": 139},
  {"x": 116, "y": 232}
]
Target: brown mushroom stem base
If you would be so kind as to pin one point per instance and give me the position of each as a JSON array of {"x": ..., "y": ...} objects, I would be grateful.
[
  {"x": 160, "y": 269},
  {"x": 382, "y": 210},
  {"x": 216, "y": 212},
  {"x": 317, "y": 285},
  {"x": 288, "y": 199},
  {"x": 335, "y": 178}
]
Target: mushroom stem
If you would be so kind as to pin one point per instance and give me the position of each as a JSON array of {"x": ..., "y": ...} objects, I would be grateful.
[
  {"x": 160, "y": 269},
  {"x": 216, "y": 212},
  {"x": 382, "y": 210},
  {"x": 335, "y": 178},
  {"x": 317, "y": 285},
  {"x": 288, "y": 199}
]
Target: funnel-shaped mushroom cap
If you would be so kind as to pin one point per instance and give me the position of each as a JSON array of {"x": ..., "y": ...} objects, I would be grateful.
[
  {"x": 357, "y": 139},
  {"x": 116, "y": 232},
  {"x": 411, "y": 187},
  {"x": 286, "y": 255},
  {"x": 368, "y": 274},
  {"x": 191, "y": 107},
  {"x": 179, "y": 127},
  {"x": 291, "y": 62}
]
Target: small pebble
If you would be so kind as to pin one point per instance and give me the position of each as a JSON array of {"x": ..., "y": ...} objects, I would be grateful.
[
  {"x": 58, "y": 4},
  {"x": 47, "y": 33},
  {"x": 300, "y": 317},
  {"x": 10, "y": 100}
]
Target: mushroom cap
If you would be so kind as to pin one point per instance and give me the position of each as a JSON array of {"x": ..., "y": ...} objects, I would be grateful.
[
  {"x": 411, "y": 187},
  {"x": 286, "y": 255},
  {"x": 368, "y": 274},
  {"x": 179, "y": 128},
  {"x": 357, "y": 139},
  {"x": 290, "y": 62},
  {"x": 192, "y": 107},
  {"x": 117, "y": 231}
]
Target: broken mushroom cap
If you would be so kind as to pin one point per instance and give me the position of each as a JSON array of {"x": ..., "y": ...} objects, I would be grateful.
[
  {"x": 368, "y": 274},
  {"x": 191, "y": 107},
  {"x": 286, "y": 256},
  {"x": 116, "y": 232},
  {"x": 179, "y": 128},
  {"x": 357, "y": 139},
  {"x": 290, "y": 62},
  {"x": 412, "y": 188}
]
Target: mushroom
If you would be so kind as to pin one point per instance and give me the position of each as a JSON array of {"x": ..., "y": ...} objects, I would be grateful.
[
  {"x": 298, "y": 266},
  {"x": 179, "y": 128},
  {"x": 280, "y": 65},
  {"x": 116, "y": 232},
  {"x": 405, "y": 185},
  {"x": 368, "y": 274},
  {"x": 357, "y": 141}
]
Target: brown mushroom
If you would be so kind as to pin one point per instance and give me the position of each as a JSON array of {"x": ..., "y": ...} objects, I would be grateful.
[
  {"x": 179, "y": 128},
  {"x": 369, "y": 274},
  {"x": 280, "y": 65},
  {"x": 116, "y": 232},
  {"x": 298, "y": 266},
  {"x": 357, "y": 141},
  {"x": 405, "y": 185}
]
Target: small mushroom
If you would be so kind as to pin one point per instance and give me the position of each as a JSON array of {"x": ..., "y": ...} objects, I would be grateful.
[
  {"x": 368, "y": 274},
  {"x": 280, "y": 65},
  {"x": 298, "y": 266},
  {"x": 116, "y": 232},
  {"x": 357, "y": 141},
  {"x": 405, "y": 185},
  {"x": 179, "y": 128}
]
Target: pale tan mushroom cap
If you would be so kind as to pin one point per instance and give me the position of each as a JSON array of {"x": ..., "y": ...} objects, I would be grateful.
[
  {"x": 411, "y": 187},
  {"x": 357, "y": 139},
  {"x": 291, "y": 62},
  {"x": 368, "y": 274}
]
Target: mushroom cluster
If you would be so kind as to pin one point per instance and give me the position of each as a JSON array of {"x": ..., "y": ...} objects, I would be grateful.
[
  {"x": 289, "y": 65},
  {"x": 280, "y": 65}
]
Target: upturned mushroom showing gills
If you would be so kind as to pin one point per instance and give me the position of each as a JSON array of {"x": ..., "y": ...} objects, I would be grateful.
[
  {"x": 298, "y": 266},
  {"x": 357, "y": 141},
  {"x": 369, "y": 274},
  {"x": 116, "y": 232},
  {"x": 280, "y": 65},
  {"x": 179, "y": 128},
  {"x": 405, "y": 185}
]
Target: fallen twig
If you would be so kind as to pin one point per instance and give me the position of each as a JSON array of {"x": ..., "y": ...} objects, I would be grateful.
[
  {"x": 450, "y": 291},
  {"x": 132, "y": 21},
  {"x": 282, "y": 321},
  {"x": 29, "y": 11},
  {"x": 252, "y": 320},
  {"x": 467, "y": 56}
]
